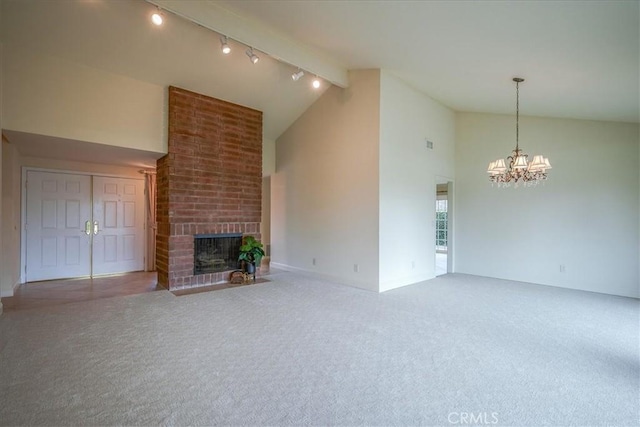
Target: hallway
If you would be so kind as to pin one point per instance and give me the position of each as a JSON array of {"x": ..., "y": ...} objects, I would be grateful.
[{"x": 57, "y": 292}]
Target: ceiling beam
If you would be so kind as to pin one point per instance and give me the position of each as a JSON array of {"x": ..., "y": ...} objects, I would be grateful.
[{"x": 257, "y": 35}]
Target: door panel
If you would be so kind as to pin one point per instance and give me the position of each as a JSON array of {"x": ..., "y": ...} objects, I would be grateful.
[
  {"x": 118, "y": 208},
  {"x": 57, "y": 207}
]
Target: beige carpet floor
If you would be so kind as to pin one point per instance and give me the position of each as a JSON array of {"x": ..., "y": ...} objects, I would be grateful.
[{"x": 300, "y": 351}]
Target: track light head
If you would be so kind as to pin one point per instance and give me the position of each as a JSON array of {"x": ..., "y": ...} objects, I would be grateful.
[
  {"x": 297, "y": 75},
  {"x": 224, "y": 45},
  {"x": 252, "y": 56},
  {"x": 316, "y": 83},
  {"x": 157, "y": 18}
]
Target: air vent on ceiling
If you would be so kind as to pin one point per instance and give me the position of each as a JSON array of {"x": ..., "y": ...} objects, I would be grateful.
[{"x": 429, "y": 144}]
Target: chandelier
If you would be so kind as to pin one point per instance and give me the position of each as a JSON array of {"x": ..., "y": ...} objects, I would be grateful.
[{"x": 519, "y": 168}]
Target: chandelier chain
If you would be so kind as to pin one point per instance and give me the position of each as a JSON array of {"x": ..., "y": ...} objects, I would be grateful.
[{"x": 517, "y": 114}]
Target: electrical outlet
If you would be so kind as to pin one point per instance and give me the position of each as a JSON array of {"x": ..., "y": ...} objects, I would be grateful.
[
  {"x": 413, "y": 264},
  {"x": 356, "y": 268},
  {"x": 562, "y": 268},
  {"x": 313, "y": 261}
]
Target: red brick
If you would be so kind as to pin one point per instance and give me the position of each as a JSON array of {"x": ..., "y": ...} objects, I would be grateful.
[{"x": 210, "y": 182}]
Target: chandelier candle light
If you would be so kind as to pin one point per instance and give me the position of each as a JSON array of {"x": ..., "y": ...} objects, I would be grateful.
[{"x": 519, "y": 169}]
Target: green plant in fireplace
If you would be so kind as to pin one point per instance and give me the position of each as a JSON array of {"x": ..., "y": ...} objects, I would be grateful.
[{"x": 251, "y": 253}]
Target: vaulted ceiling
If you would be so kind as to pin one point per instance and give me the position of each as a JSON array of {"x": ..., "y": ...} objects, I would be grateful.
[
  {"x": 580, "y": 59},
  {"x": 117, "y": 36}
]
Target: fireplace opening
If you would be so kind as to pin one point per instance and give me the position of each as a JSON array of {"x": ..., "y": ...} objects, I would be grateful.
[{"x": 216, "y": 252}]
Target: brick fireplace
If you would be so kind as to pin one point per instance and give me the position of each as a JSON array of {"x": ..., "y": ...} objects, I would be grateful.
[{"x": 210, "y": 182}]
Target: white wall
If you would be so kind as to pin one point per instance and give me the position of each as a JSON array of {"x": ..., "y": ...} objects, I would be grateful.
[
  {"x": 265, "y": 225},
  {"x": 408, "y": 173},
  {"x": 10, "y": 261},
  {"x": 268, "y": 157},
  {"x": 268, "y": 168},
  {"x": 585, "y": 217},
  {"x": 49, "y": 96},
  {"x": 1, "y": 171},
  {"x": 325, "y": 189}
]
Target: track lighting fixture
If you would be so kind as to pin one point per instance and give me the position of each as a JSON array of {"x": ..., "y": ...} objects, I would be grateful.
[
  {"x": 297, "y": 75},
  {"x": 156, "y": 18},
  {"x": 224, "y": 45},
  {"x": 252, "y": 56}
]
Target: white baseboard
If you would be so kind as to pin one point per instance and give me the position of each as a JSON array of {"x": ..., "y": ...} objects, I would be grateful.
[
  {"x": 381, "y": 287},
  {"x": 354, "y": 283},
  {"x": 5, "y": 294},
  {"x": 404, "y": 281}
]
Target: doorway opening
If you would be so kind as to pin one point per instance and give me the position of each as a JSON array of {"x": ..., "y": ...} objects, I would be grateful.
[{"x": 443, "y": 261}]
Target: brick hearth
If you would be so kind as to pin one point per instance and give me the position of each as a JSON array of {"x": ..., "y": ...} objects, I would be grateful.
[{"x": 210, "y": 181}]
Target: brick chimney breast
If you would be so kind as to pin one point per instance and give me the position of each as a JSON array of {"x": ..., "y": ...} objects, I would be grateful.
[{"x": 210, "y": 182}]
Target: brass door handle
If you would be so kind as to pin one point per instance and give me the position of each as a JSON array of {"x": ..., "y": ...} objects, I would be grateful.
[{"x": 87, "y": 228}]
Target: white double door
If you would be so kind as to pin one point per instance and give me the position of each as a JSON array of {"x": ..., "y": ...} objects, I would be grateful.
[{"x": 82, "y": 225}]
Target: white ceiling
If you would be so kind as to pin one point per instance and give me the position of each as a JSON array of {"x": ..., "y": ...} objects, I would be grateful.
[
  {"x": 50, "y": 147},
  {"x": 580, "y": 59}
]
